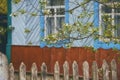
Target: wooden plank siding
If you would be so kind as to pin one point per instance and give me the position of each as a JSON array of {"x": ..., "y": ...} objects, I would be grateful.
[{"x": 30, "y": 54}]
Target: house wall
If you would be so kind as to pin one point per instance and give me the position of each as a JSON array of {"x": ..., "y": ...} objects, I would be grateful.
[
  {"x": 30, "y": 54},
  {"x": 26, "y": 27},
  {"x": 73, "y": 18},
  {"x": 22, "y": 15},
  {"x": 20, "y": 52}
]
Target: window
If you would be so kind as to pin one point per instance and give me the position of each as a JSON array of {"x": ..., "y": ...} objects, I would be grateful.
[
  {"x": 54, "y": 21},
  {"x": 109, "y": 20}
]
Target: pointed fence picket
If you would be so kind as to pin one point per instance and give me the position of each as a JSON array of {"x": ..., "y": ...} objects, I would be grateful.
[
  {"x": 75, "y": 71},
  {"x": 66, "y": 70},
  {"x": 85, "y": 70},
  {"x": 44, "y": 71},
  {"x": 104, "y": 70},
  {"x": 34, "y": 72},
  {"x": 11, "y": 72},
  {"x": 95, "y": 71},
  {"x": 22, "y": 71},
  {"x": 56, "y": 71},
  {"x": 114, "y": 70}
]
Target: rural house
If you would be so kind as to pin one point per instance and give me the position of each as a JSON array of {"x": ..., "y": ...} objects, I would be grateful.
[{"x": 31, "y": 21}]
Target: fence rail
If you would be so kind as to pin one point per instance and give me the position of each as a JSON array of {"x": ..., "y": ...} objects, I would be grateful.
[{"x": 106, "y": 72}]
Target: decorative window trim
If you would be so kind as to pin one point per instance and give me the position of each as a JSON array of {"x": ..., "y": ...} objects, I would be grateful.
[
  {"x": 42, "y": 26},
  {"x": 98, "y": 43},
  {"x": 112, "y": 14}
]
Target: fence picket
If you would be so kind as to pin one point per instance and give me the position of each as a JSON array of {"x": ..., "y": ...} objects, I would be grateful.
[
  {"x": 106, "y": 71},
  {"x": 44, "y": 71},
  {"x": 34, "y": 72},
  {"x": 95, "y": 71},
  {"x": 85, "y": 70},
  {"x": 56, "y": 71},
  {"x": 114, "y": 69},
  {"x": 3, "y": 67},
  {"x": 22, "y": 71},
  {"x": 75, "y": 71},
  {"x": 11, "y": 72},
  {"x": 66, "y": 70}
]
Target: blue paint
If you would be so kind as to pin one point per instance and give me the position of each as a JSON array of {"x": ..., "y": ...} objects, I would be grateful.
[
  {"x": 42, "y": 44},
  {"x": 100, "y": 44},
  {"x": 96, "y": 14},
  {"x": 117, "y": 46},
  {"x": 97, "y": 44},
  {"x": 50, "y": 45},
  {"x": 66, "y": 9},
  {"x": 111, "y": 45},
  {"x": 42, "y": 22},
  {"x": 58, "y": 45}
]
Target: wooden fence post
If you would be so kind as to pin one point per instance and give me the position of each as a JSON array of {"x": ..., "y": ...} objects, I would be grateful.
[
  {"x": 3, "y": 67},
  {"x": 66, "y": 70},
  {"x": 85, "y": 70},
  {"x": 75, "y": 71},
  {"x": 22, "y": 71},
  {"x": 106, "y": 71},
  {"x": 114, "y": 70},
  {"x": 11, "y": 72},
  {"x": 34, "y": 72},
  {"x": 44, "y": 71},
  {"x": 56, "y": 71},
  {"x": 95, "y": 71}
]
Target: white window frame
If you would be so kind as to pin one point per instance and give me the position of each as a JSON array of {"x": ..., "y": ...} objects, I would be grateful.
[
  {"x": 55, "y": 16},
  {"x": 113, "y": 14}
]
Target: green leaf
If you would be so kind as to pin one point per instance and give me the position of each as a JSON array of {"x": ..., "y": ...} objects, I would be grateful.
[
  {"x": 16, "y": 1},
  {"x": 22, "y": 11},
  {"x": 33, "y": 14},
  {"x": 27, "y": 30}
]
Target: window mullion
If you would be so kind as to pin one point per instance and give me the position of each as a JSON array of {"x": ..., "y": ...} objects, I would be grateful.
[
  {"x": 113, "y": 22},
  {"x": 45, "y": 26},
  {"x": 55, "y": 20}
]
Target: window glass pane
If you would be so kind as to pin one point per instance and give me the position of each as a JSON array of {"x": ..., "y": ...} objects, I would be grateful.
[
  {"x": 49, "y": 25},
  {"x": 106, "y": 20},
  {"x": 117, "y": 10},
  {"x": 55, "y": 2},
  {"x": 106, "y": 9},
  {"x": 60, "y": 21},
  {"x": 52, "y": 11},
  {"x": 106, "y": 25},
  {"x": 60, "y": 11},
  {"x": 117, "y": 22},
  {"x": 113, "y": 0},
  {"x": 116, "y": 0}
]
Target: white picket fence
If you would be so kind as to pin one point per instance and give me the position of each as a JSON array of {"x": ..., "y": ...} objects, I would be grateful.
[
  {"x": 105, "y": 71},
  {"x": 108, "y": 72}
]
